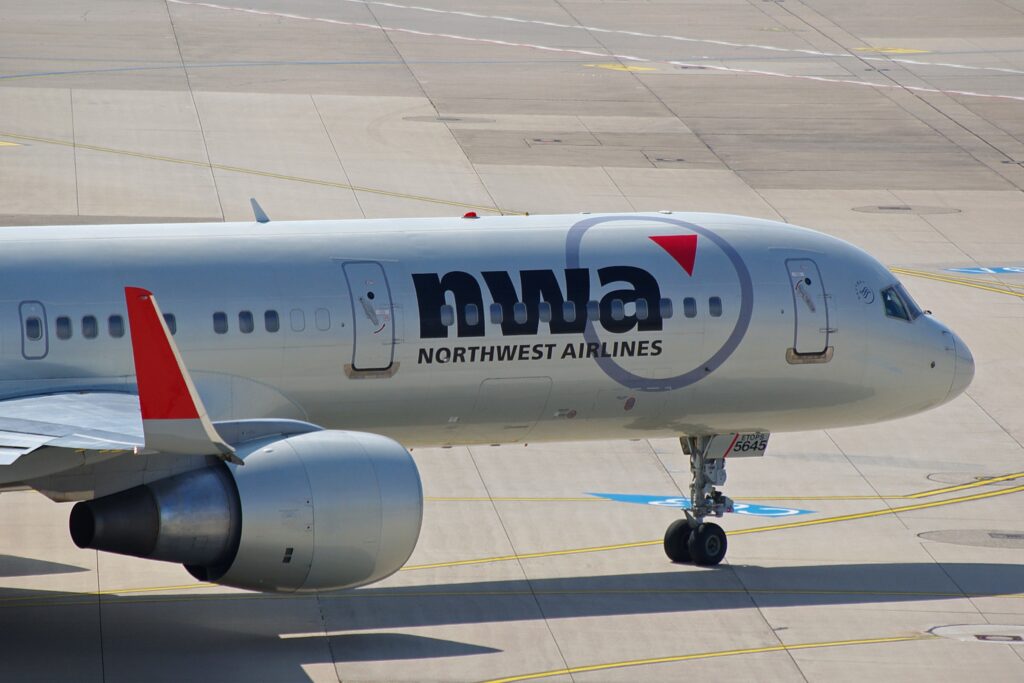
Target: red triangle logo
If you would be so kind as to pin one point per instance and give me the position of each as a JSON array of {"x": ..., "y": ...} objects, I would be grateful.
[{"x": 683, "y": 248}]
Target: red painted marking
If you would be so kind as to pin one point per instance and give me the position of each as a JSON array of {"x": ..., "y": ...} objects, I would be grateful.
[
  {"x": 683, "y": 248},
  {"x": 729, "y": 449},
  {"x": 163, "y": 392}
]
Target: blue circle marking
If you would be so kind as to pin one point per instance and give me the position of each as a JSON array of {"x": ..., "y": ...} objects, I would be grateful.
[{"x": 573, "y": 243}]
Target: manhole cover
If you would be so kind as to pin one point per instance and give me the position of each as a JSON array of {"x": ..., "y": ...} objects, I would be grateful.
[
  {"x": 982, "y": 538},
  {"x": 907, "y": 209},
  {"x": 446, "y": 119},
  {"x": 982, "y": 633},
  {"x": 958, "y": 478}
]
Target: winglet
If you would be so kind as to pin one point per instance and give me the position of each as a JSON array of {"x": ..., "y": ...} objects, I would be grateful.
[
  {"x": 173, "y": 417},
  {"x": 258, "y": 212}
]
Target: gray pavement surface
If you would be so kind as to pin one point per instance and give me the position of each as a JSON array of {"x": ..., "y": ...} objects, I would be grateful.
[{"x": 895, "y": 124}]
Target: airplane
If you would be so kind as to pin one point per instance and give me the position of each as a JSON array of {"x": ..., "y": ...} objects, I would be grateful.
[{"x": 254, "y": 425}]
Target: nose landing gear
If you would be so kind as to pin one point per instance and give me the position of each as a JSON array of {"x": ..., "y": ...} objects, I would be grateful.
[{"x": 692, "y": 539}]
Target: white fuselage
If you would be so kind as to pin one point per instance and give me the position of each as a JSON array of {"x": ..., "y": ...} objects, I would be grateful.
[{"x": 722, "y": 324}]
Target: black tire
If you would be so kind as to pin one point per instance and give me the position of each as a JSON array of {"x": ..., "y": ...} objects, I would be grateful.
[
  {"x": 707, "y": 545},
  {"x": 677, "y": 540}
]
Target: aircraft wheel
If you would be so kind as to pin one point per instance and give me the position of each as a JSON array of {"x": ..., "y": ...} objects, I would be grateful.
[
  {"x": 707, "y": 544},
  {"x": 677, "y": 539}
]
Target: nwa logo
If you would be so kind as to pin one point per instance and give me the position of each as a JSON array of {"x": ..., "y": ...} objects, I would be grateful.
[
  {"x": 565, "y": 312},
  {"x": 540, "y": 298}
]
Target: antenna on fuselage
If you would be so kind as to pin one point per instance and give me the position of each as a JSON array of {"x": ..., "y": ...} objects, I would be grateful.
[{"x": 258, "y": 212}]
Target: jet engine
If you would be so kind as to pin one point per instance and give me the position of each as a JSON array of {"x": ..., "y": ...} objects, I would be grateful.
[{"x": 316, "y": 511}]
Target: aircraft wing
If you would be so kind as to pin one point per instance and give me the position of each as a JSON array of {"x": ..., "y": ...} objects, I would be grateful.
[
  {"x": 167, "y": 415},
  {"x": 86, "y": 420}
]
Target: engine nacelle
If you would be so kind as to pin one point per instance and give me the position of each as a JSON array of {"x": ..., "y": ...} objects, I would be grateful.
[{"x": 317, "y": 511}]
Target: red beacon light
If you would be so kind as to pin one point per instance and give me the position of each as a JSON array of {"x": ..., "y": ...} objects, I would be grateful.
[{"x": 470, "y": 214}]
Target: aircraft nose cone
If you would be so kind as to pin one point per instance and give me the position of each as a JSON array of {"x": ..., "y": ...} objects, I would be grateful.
[{"x": 963, "y": 371}]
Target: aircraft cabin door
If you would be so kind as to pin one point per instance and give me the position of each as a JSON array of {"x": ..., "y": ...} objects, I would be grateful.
[
  {"x": 372, "y": 316},
  {"x": 810, "y": 307}
]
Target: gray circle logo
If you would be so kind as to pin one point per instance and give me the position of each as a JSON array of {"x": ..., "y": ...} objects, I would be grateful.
[
  {"x": 864, "y": 292},
  {"x": 573, "y": 244}
]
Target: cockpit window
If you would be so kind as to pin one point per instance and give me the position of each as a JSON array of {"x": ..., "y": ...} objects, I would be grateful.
[
  {"x": 894, "y": 306},
  {"x": 912, "y": 308}
]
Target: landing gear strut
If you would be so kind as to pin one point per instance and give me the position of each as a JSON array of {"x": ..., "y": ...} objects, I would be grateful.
[{"x": 692, "y": 539}]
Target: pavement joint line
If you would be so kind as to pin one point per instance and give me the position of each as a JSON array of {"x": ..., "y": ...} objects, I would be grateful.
[
  {"x": 957, "y": 281},
  {"x": 265, "y": 174},
  {"x": 710, "y": 655},
  {"x": 605, "y": 54}
]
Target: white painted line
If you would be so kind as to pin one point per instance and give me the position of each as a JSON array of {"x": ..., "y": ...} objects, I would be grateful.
[{"x": 589, "y": 53}]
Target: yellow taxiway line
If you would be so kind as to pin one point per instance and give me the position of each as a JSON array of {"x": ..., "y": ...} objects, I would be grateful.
[
  {"x": 145, "y": 595},
  {"x": 709, "y": 655},
  {"x": 591, "y": 499},
  {"x": 736, "y": 532},
  {"x": 892, "y": 50},
  {"x": 69, "y": 597},
  {"x": 515, "y": 499},
  {"x": 964, "y": 282},
  {"x": 264, "y": 174}
]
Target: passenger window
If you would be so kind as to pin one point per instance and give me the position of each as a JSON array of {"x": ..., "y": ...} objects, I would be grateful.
[
  {"x": 298, "y": 320},
  {"x": 690, "y": 307},
  {"x": 569, "y": 311},
  {"x": 642, "y": 311},
  {"x": 618, "y": 310},
  {"x": 894, "y": 307},
  {"x": 497, "y": 315},
  {"x": 472, "y": 314},
  {"x": 666, "y": 308},
  {"x": 271, "y": 321},
  {"x": 323, "y": 319},
  {"x": 89, "y": 327},
  {"x": 172, "y": 322},
  {"x": 447, "y": 315},
  {"x": 115, "y": 326},
  {"x": 63, "y": 324},
  {"x": 220, "y": 322},
  {"x": 715, "y": 307},
  {"x": 544, "y": 311},
  {"x": 593, "y": 310},
  {"x": 519, "y": 312},
  {"x": 245, "y": 322},
  {"x": 34, "y": 328}
]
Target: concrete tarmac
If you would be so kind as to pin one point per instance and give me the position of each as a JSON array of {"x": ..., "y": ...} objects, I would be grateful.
[{"x": 897, "y": 125}]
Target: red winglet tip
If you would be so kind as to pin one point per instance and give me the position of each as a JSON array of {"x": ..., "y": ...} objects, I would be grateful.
[
  {"x": 683, "y": 248},
  {"x": 164, "y": 392},
  {"x": 137, "y": 292}
]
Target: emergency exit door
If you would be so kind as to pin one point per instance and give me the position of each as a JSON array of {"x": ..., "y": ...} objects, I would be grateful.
[
  {"x": 810, "y": 307},
  {"x": 372, "y": 316}
]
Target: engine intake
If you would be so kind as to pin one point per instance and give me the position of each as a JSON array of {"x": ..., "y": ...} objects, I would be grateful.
[{"x": 317, "y": 511}]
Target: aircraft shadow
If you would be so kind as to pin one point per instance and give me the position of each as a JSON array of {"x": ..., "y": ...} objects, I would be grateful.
[
  {"x": 12, "y": 565},
  {"x": 372, "y": 647},
  {"x": 160, "y": 637},
  {"x": 682, "y": 590}
]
